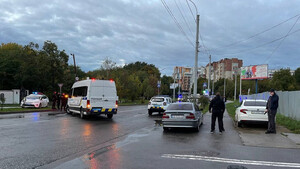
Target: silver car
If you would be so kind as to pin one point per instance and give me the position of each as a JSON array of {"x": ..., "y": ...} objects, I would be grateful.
[{"x": 183, "y": 115}]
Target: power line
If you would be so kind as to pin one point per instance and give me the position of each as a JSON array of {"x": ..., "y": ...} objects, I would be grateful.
[
  {"x": 264, "y": 44},
  {"x": 266, "y": 30},
  {"x": 183, "y": 17},
  {"x": 283, "y": 39},
  {"x": 190, "y": 10},
  {"x": 176, "y": 22}
]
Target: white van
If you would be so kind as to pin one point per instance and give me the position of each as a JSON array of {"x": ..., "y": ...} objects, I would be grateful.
[{"x": 93, "y": 97}]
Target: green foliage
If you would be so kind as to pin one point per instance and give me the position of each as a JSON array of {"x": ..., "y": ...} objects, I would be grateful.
[
  {"x": 291, "y": 124},
  {"x": 297, "y": 77},
  {"x": 283, "y": 80},
  {"x": 231, "y": 107},
  {"x": 204, "y": 101},
  {"x": 35, "y": 69}
]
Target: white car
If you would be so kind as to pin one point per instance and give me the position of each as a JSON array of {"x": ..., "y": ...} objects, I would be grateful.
[
  {"x": 35, "y": 100},
  {"x": 158, "y": 104},
  {"x": 251, "y": 111}
]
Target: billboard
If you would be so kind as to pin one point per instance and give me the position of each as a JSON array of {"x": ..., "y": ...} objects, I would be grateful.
[
  {"x": 254, "y": 72},
  {"x": 173, "y": 85}
]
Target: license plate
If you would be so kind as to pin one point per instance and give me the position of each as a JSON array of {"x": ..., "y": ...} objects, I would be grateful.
[
  {"x": 257, "y": 112},
  {"x": 177, "y": 116}
]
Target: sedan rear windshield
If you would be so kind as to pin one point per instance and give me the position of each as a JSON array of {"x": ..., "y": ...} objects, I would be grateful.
[
  {"x": 180, "y": 107},
  {"x": 33, "y": 97},
  {"x": 255, "y": 103},
  {"x": 157, "y": 100}
]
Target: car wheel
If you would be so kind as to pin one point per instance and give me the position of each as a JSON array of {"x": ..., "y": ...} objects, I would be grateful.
[
  {"x": 197, "y": 129},
  {"x": 68, "y": 110},
  {"x": 240, "y": 124},
  {"x": 82, "y": 116},
  {"x": 150, "y": 112},
  {"x": 109, "y": 116}
]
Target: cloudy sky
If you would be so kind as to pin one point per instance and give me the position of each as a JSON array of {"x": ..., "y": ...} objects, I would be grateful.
[{"x": 142, "y": 30}]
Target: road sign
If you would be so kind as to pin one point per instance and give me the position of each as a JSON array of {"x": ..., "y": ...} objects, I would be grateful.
[
  {"x": 76, "y": 78},
  {"x": 204, "y": 85},
  {"x": 60, "y": 84},
  {"x": 158, "y": 85}
]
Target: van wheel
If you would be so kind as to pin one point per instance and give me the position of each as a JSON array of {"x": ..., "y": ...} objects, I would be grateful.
[
  {"x": 197, "y": 129},
  {"x": 82, "y": 116},
  {"x": 109, "y": 116},
  {"x": 150, "y": 112},
  {"x": 166, "y": 128}
]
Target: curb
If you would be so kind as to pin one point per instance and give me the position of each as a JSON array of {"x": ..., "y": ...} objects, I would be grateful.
[{"x": 28, "y": 111}]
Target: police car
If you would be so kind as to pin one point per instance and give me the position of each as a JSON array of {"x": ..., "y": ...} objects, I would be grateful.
[
  {"x": 158, "y": 104},
  {"x": 93, "y": 97},
  {"x": 37, "y": 100}
]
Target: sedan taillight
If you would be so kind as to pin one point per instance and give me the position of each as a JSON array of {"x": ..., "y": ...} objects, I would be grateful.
[
  {"x": 165, "y": 116},
  {"x": 190, "y": 116},
  {"x": 243, "y": 111}
]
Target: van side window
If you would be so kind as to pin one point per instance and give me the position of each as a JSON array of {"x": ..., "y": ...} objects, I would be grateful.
[{"x": 80, "y": 91}]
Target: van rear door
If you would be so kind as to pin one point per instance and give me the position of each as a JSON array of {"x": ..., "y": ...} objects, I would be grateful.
[{"x": 103, "y": 96}]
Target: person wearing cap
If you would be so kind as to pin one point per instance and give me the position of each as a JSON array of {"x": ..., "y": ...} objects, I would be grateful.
[{"x": 271, "y": 109}]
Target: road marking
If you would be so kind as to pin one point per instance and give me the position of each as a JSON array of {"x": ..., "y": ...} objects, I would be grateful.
[{"x": 232, "y": 161}]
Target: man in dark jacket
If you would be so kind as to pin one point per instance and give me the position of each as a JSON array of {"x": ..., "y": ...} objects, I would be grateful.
[
  {"x": 271, "y": 109},
  {"x": 53, "y": 100},
  {"x": 217, "y": 107}
]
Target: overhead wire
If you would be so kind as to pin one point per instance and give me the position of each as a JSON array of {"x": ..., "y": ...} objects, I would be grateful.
[
  {"x": 282, "y": 39},
  {"x": 264, "y": 44},
  {"x": 184, "y": 18},
  {"x": 191, "y": 10},
  {"x": 176, "y": 21},
  {"x": 266, "y": 30}
]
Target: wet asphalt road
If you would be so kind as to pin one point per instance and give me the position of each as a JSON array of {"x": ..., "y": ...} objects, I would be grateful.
[{"x": 131, "y": 139}]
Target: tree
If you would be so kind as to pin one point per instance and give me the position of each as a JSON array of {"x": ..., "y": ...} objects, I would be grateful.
[
  {"x": 283, "y": 80},
  {"x": 297, "y": 77}
]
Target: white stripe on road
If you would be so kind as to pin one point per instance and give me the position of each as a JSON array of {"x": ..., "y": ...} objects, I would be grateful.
[{"x": 232, "y": 161}]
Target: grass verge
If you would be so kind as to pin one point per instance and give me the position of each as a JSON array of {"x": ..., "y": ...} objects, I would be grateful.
[
  {"x": 137, "y": 102},
  {"x": 230, "y": 107},
  {"x": 22, "y": 109},
  {"x": 291, "y": 124}
]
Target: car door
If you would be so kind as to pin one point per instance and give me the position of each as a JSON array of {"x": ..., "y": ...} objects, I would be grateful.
[{"x": 197, "y": 112}]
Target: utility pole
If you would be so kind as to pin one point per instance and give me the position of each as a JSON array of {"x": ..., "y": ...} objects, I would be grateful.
[
  {"x": 76, "y": 78},
  {"x": 235, "y": 84},
  {"x": 240, "y": 85},
  {"x": 196, "y": 58},
  {"x": 174, "y": 87},
  {"x": 224, "y": 81},
  {"x": 209, "y": 71},
  {"x": 213, "y": 85}
]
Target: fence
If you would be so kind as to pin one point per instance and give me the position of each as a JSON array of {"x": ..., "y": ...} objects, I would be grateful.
[{"x": 289, "y": 102}]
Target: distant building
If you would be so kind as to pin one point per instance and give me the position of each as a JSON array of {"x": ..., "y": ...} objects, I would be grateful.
[
  {"x": 272, "y": 71},
  {"x": 224, "y": 68},
  {"x": 183, "y": 75}
]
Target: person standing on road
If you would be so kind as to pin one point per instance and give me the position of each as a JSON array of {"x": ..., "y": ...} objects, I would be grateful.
[
  {"x": 63, "y": 102},
  {"x": 271, "y": 109},
  {"x": 58, "y": 100},
  {"x": 217, "y": 108},
  {"x": 53, "y": 100}
]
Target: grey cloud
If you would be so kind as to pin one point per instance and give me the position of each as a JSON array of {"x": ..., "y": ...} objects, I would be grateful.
[{"x": 128, "y": 31}]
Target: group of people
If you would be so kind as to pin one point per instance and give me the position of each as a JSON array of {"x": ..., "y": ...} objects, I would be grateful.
[
  {"x": 217, "y": 108},
  {"x": 60, "y": 100}
]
